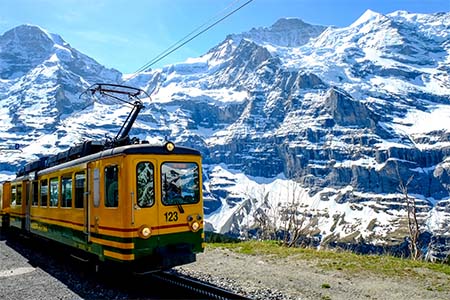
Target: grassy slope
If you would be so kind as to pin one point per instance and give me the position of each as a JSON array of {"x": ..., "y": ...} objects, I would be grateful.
[{"x": 353, "y": 264}]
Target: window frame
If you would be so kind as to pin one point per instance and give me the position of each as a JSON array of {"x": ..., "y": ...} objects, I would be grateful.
[
  {"x": 35, "y": 191},
  {"x": 163, "y": 201},
  {"x": 76, "y": 193},
  {"x": 96, "y": 186},
  {"x": 63, "y": 201},
  {"x": 18, "y": 194},
  {"x": 107, "y": 188},
  {"x": 13, "y": 195},
  {"x": 137, "y": 185},
  {"x": 54, "y": 179},
  {"x": 46, "y": 193}
]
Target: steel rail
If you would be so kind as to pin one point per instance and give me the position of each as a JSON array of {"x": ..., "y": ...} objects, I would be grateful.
[{"x": 198, "y": 287}]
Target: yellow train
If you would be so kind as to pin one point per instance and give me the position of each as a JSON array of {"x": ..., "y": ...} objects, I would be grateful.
[{"x": 137, "y": 204}]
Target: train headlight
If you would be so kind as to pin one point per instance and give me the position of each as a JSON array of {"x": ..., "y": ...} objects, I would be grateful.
[
  {"x": 169, "y": 146},
  {"x": 145, "y": 232},
  {"x": 194, "y": 222},
  {"x": 195, "y": 226}
]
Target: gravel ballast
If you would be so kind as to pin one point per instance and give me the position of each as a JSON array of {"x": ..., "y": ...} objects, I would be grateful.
[
  {"x": 28, "y": 272},
  {"x": 266, "y": 277}
]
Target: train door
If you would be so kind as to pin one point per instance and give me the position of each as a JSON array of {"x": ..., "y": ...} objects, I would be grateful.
[
  {"x": 82, "y": 198},
  {"x": 93, "y": 197},
  {"x": 144, "y": 192},
  {"x": 107, "y": 199}
]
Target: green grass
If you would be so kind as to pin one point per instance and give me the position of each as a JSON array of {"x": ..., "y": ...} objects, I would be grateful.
[{"x": 345, "y": 261}]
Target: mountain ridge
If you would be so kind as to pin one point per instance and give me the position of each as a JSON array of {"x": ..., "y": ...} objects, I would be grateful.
[{"x": 328, "y": 124}]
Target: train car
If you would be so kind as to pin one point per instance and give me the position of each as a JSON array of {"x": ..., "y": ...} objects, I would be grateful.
[{"x": 137, "y": 204}]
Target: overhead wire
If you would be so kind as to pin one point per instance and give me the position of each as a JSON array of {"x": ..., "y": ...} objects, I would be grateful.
[{"x": 186, "y": 39}]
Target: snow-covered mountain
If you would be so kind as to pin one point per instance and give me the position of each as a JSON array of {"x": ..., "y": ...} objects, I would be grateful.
[
  {"x": 41, "y": 78},
  {"x": 298, "y": 124}
]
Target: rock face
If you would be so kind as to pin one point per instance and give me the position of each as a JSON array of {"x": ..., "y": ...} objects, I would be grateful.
[
  {"x": 285, "y": 32},
  {"x": 42, "y": 78},
  {"x": 345, "y": 111},
  {"x": 298, "y": 124}
]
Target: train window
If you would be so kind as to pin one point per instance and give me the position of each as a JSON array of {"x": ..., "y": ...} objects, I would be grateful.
[
  {"x": 66, "y": 191},
  {"x": 111, "y": 186},
  {"x": 96, "y": 186},
  {"x": 80, "y": 179},
  {"x": 180, "y": 183},
  {"x": 35, "y": 193},
  {"x": 44, "y": 193},
  {"x": 19, "y": 195},
  {"x": 54, "y": 192},
  {"x": 145, "y": 184},
  {"x": 13, "y": 195}
]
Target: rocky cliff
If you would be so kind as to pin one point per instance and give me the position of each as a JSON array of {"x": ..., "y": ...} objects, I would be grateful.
[{"x": 296, "y": 122}]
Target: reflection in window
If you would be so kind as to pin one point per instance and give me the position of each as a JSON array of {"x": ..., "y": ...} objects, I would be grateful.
[
  {"x": 80, "y": 179},
  {"x": 44, "y": 193},
  {"x": 180, "y": 183},
  {"x": 13, "y": 195},
  {"x": 145, "y": 184},
  {"x": 19, "y": 195},
  {"x": 54, "y": 192},
  {"x": 96, "y": 186},
  {"x": 66, "y": 191},
  {"x": 111, "y": 186},
  {"x": 35, "y": 193}
]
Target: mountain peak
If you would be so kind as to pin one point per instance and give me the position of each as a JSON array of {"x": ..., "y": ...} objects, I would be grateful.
[
  {"x": 25, "y": 47},
  {"x": 286, "y": 32},
  {"x": 29, "y": 34},
  {"x": 368, "y": 16},
  {"x": 288, "y": 23}
]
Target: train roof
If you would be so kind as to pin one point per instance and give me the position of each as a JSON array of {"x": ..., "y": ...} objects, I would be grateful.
[{"x": 90, "y": 151}]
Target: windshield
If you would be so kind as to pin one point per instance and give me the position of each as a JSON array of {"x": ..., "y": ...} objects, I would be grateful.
[{"x": 180, "y": 183}]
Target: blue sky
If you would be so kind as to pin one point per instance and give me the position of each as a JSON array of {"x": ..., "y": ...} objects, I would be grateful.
[{"x": 126, "y": 34}]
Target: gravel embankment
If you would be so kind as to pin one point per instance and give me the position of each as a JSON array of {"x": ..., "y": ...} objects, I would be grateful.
[
  {"x": 264, "y": 277},
  {"x": 31, "y": 269}
]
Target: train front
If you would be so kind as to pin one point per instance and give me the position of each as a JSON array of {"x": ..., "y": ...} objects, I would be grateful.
[{"x": 167, "y": 206}]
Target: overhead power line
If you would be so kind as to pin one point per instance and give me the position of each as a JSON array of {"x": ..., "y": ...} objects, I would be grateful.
[
  {"x": 189, "y": 37},
  {"x": 186, "y": 37}
]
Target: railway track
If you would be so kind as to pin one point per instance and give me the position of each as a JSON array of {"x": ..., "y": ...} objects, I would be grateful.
[
  {"x": 53, "y": 265},
  {"x": 196, "y": 289}
]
